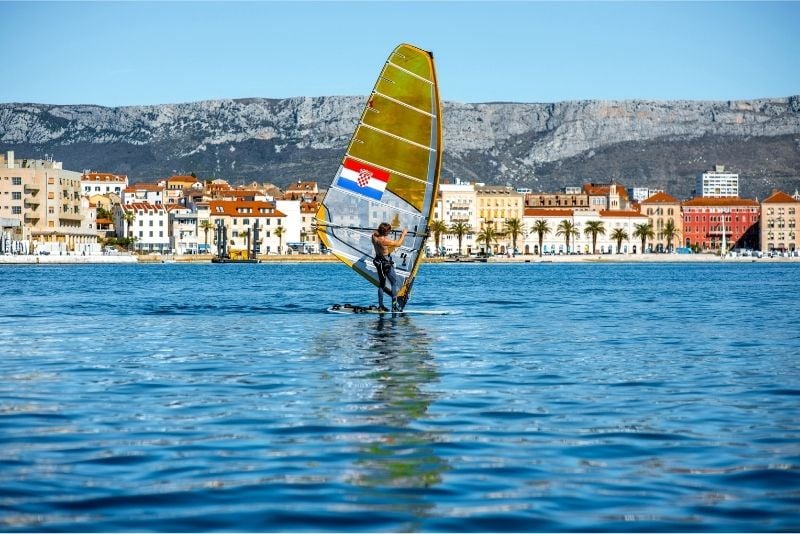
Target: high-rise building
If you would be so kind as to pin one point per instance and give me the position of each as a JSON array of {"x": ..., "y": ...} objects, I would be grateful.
[{"x": 718, "y": 184}]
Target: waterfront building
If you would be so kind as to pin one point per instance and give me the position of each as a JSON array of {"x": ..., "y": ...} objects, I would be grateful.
[
  {"x": 581, "y": 242},
  {"x": 780, "y": 220},
  {"x": 718, "y": 184},
  {"x": 103, "y": 183},
  {"x": 143, "y": 193},
  {"x": 45, "y": 199},
  {"x": 660, "y": 209},
  {"x": 147, "y": 224},
  {"x": 551, "y": 243},
  {"x": 496, "y": 206},
  {"x": 456, "y": 204},
  {"x": 292, "y": 225},
  {"x": 183, "y": 231},
  {"x": 711, "y": 223},
  {"x": 309, "y": 240},
  {"x": 239, "y": 218}
]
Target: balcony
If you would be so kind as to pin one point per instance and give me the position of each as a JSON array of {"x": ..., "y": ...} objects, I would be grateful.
[
  {"x": 32, "y": 187},
  {"x": 31, "y": 215},
  {"x": 70, "y": 216}
]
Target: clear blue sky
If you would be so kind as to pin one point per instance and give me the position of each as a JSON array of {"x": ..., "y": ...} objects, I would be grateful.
[{"x": 131, "y": 53}]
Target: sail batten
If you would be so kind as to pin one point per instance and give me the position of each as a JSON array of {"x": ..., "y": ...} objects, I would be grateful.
[
  {"x": 406, "y": 105},
  {"x": 409, "y": 141},
  {"x": 390, "y": 171}
]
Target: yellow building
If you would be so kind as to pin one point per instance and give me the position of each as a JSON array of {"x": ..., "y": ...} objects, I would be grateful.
[
  {"x": 660, "y": 209},
  {"x": 497, "y": 205},
  {"x": 780, "y": 219}
]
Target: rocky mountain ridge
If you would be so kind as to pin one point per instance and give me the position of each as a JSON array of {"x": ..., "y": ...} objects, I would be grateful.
[{"x": 542, "y": 146}]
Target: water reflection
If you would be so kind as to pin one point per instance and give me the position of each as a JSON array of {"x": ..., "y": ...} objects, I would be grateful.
[
  {"x": 395, "y": 465},
  {"x": 403, "y": 366}
]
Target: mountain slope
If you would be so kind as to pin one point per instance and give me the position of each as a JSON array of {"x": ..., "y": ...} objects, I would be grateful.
[{"x": 542, "y": 146}]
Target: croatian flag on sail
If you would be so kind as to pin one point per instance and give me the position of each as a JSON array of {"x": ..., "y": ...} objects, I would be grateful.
[{"x": 362, "y": 179}]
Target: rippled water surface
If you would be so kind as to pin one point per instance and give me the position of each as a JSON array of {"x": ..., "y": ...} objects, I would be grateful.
[{"x": 559, "y": 398}]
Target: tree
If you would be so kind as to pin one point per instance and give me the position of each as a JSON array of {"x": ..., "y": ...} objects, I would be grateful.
[
  {"x": 514, "y": 228},
  {"x": 437, "y": 228},
  {"x": 128, "y": 217},
  {"x": 488, "y": 235},
  {"x": 459, "y": 230},
  {"x": 567, "y": 229},
  {"x": 644, "y": 232},
  {"x": 541, "y": 228},
  {"x": 206, "y": 225},
  {"x": 593, "y": 228},
  {"x": 618, "y": 235},
  {"x": 279, "y": 233},
  {"x": 670, "y": 232}
]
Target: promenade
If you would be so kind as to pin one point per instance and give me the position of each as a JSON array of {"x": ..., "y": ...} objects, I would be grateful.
[{"x": 327, "y": 258}]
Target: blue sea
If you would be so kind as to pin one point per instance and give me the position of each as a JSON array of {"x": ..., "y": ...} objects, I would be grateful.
[{"x": 556, "y": 397}]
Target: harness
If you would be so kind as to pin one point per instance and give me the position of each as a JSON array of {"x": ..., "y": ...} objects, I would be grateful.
[{"x": 383, "y": 264}]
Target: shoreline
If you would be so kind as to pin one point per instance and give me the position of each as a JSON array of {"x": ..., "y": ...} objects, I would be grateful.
[{"x": 317, "y": 258}]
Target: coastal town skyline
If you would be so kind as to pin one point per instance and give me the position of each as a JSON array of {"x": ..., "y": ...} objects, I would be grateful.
[{"x": 58, "y": 211}]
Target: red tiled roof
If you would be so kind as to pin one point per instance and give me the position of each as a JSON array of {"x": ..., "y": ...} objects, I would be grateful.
[
  {"x": 620, "y": 213},
  {"x": 143, "y": 186},
  {"x": 302, "y": 186},
  {"x": 103, "y": 177},
  {"x": 779, "y": 197},
  {"x": 182, "y": 178},
  {"x": 661, "y": 198},
  {"x": 230, "y": 208},
  {"x": 144, "y": 206},
  {"x": 309, "y": 207},
  {"x": 706, "y": 201},
  {"x": 544, "y": 212}
]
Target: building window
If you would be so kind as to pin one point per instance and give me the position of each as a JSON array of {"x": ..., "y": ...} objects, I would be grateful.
[
  {"x": 16, "y": 180},
  {"x": 16, "y": 195},
  {"x": 16, "y": 210}
]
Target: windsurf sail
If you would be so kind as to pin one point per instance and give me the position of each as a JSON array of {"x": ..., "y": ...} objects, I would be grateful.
[{"x": 390, "y": 171}]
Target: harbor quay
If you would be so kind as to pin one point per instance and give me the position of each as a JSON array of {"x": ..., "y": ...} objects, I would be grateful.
[{"x": 29, "y": 259}]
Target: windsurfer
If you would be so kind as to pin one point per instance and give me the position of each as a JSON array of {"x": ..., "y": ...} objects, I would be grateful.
[{"x": 384, "y": 245}]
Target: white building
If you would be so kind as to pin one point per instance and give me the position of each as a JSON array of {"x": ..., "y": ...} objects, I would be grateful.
[
  {"x": 457, "y": 203},
  {"x": 143, "y": 194},
  {"x": 183, "y": 234},
  {"x": 718, "y": 183},
  {"x": 102, "y": 183},
  {"x": 581, "y": 242},
  {"x": 147, "y": 223}
]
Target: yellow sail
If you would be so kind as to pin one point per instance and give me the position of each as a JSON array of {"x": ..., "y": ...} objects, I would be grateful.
[{"x": 390, "y": 172}]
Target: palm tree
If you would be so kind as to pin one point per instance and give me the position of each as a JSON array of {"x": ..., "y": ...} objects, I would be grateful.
[
  {"x": 594, "y": 228},
  {"x": 279, "y": 233},
  {"x": 644, "y": 231},
  {"x": 567, "y": 229},
  {"x": 459, "y": 230},
  {"x": 128, "y": 217},
  {"x": 488, "y": 235},
  {"x": 437, "y": 228},
  {"x": 514, "y": 228},
  {"x": 541, "y": 228},
  {"x": 618, "y": 235},
  {"x": 206, "y": 225},
  {"x": 670, "y": 232}
]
